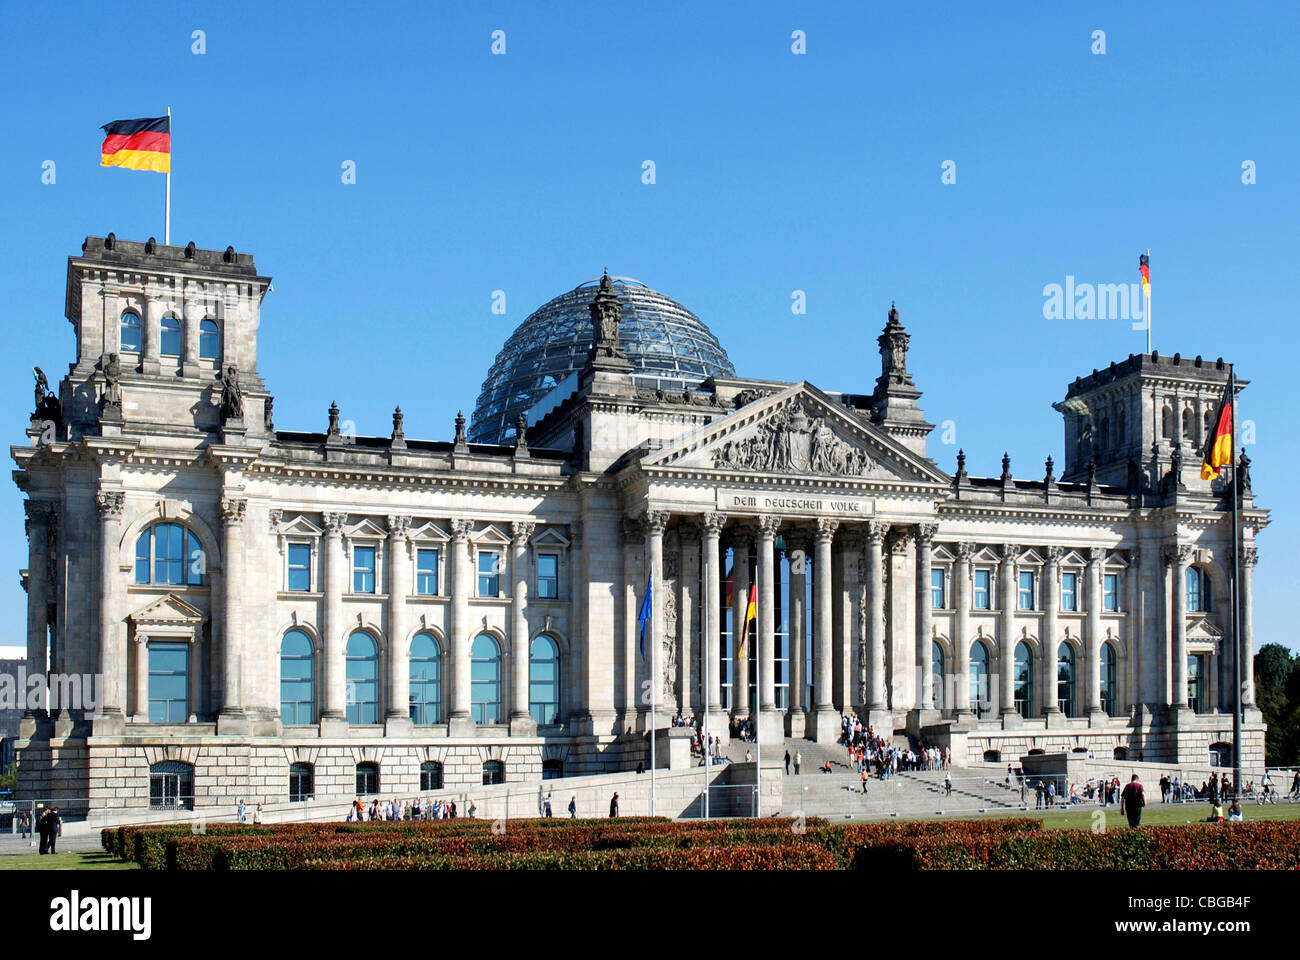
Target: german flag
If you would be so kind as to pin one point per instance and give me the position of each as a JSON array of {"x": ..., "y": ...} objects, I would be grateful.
[
  {"x": 1218, "y": 445},
  {"x": 751, "y": 611},
  {"x": 1144, "y": 268},
  {"x": 138, "y": 144}
]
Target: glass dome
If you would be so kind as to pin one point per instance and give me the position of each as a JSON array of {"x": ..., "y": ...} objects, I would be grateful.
[{"x": 669, "y": 347}]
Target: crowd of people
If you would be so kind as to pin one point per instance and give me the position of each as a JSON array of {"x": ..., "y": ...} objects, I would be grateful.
[{"x": 417, "y": 809}]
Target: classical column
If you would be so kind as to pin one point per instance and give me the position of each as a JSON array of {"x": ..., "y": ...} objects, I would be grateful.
[
  {"x": 1051, "y": 637},
  {"x": 767, "y": 528},
  {"x": 826, "y": 723},
  {"x": 1133, "y": 620},
  {"x": 232, "y": 716},
  {"x": 877, "y": 695},
  {"x": 1094, "y": 633},
  {"x": 961, "y": 639},
  {"x": 460, "y": 723},
  {"x": 1007, "y": 629},
  {"x": 39, "y": 516},
  {"x": 397, "y": 717},
  {"x": 1249, "y": 557},
  {"x": 711, "y": 527},
  {"x": 845, "y": 642},
  {"x": 924, "y": 616},
  {"x": 739, "y": 604},
  {"x": 900, "y": 625},
  {"x": 798, "y": 615},
  {"x": 521, "y": 720},
  {"x": 633, "y": 556},
  {"x": 334, "y": 701},
  {"x": 111, "y": 504},
  {"x": 140, "y": 705},
  {"x": 656, "y": 521},
  {"x": 1177, "y": 558}
]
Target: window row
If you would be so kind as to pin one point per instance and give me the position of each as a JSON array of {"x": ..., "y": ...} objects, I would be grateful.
[
  {"x": 170, "y": 342},
  {"x": 298, "y": 679},
  {"x": 428, "y": 577},
  {"x": 1027, "y": 593},
  {"x": 1067, "y": 680}
]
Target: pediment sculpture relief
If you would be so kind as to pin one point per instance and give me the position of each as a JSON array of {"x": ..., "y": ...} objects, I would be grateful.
[{"x": 794, "y": 442}]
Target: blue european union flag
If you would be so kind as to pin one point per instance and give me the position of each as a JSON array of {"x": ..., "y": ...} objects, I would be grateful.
[{"x": 644, "y": 615}]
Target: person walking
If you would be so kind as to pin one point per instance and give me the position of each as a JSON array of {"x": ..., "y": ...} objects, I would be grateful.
[
  {"x": 787, "y": 763},
  {"x": 573, "y": 807},
  {"x": 863, "y": 775},
  {"x": 239, "y": 810},
  {"x": 257, "y": 813},
  {"x": 798, "y": 760},
  {"x": 613, "y": 805},
  {"x": 1131, "y": 802},
  {"x": 54, "y": 829},
  {"x": 546, "y": 806},
  {"x": 43, "y": 831},
  {"x": 947, "y": 784}
]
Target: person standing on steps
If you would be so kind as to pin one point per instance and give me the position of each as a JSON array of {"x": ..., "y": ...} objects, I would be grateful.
[
  {"x": 573, "y": 807},
  {"x": 947, "y": 784},
  {"x": 798, "y": 760},
  {"x": 787, "y": 763},
  {"x": 863, "y": 775},
  {"x": 613, "y": 805}
]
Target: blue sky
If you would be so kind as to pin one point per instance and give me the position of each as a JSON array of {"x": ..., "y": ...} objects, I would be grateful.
[{"x": 775, "y": 172}]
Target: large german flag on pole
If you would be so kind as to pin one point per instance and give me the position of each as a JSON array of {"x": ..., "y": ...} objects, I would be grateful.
[
  {"x": 138, "y": 144},
  {"x": 1218, "y": 445}
]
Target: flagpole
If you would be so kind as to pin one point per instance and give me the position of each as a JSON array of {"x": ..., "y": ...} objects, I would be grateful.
[
  {"x": 654, "y": 681},
  {"x": 1148, "y": 304},
  {"x": 709, "y": 585},
  {"x": 1236, "y": 592},
  {"x": 167, "y": 206}
]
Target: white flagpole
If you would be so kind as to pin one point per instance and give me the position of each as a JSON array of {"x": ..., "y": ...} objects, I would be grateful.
[
  {"x": 704, "y": 691},
  {"x": 1148, "y": 303},
  {"x": 654, "y": 683},
  {"x": 167, "y": 226}
]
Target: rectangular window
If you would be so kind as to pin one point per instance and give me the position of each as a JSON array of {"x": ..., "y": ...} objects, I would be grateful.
[
  {"x": 936, "y": 590},
  {"x": 426, "y": 572},
  {"x": 982, "y": 589},
  {"x": 169, "y": 682},
  {"x": 489, "y": 579},
  {"x": 300, "y": 566},
  {"x": 363, "y": 569},
  {"x": 1070, "y": 592},
  {"x": 1027, "y": 590},
  {"x": 1110, "y": 592},
  {"x": 548, "y": 576}
]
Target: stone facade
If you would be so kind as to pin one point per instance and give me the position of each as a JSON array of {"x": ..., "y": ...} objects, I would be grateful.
[{"x": 259, "y": 600}]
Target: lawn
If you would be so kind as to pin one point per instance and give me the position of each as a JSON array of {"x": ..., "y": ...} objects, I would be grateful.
[
  {"x": 74, "y": 860},
  {"x": 1161, "y": 815}
]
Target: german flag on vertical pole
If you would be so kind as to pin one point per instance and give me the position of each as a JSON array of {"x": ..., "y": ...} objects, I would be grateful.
[
  {"x": 138, "y": 144},
  {"x": 1218, "y": 445},
  {"x": 751, "y": 611},
  {"x": 1144, "y": 268}
]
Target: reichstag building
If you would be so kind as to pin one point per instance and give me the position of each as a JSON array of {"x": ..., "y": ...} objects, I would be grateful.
[{"x": 285, "y": 613}]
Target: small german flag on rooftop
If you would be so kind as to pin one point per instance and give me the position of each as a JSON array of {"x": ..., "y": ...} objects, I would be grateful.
[{"x": 138, "y": 144}]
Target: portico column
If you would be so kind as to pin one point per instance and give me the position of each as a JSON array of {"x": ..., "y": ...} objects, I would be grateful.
[
  {"x": 924, "y": 617},
  {"x": 656, "y": 521},
  {"x": 1178, "y": 559},
  {"x": 1094, "y": 637},
  {"x": 140, "y": 707},
  {"x": 1246, "y": 604},
  {"x": 846, "y": 643},
  {"x": 961, "y": 639},
  {"x": 38, "y": 550},
  {"x": 397, "y": 717},
  {"x": 767, "y": 528},
  {"x": 111, "y": 503},
  {"x": 1133, "y": 619},
  {"x": 460, "y": 723},
  {"x": 798, "y": 558},
  {"x": 826, "y": 723},
  {"x": 335, "y": 694},
  {"x": 1051, "y": 632},
  {"x": 1006, "y": 630},
  {"x": 232, "y": 716},
  {"x": 739, "y": 604},
  {"x": 711, "y": 525},
  {"x": 521, "y": 721},
  {"x": 876, "y": 693}
]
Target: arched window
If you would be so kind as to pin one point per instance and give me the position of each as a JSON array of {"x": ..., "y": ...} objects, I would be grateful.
[
  {"x": 1109, "y": 679},
  {"x": 431, "y": 775},
  {"x": 1024, "y": 676},
  {"x": 426, "y": 690},
  {"x": 1120, "y": 753},
  {"x": 171, "y": 784},
  {"x": 1104, "y": 433},
  {"x": 979, "y": 678},
  {"x": 130, "y": 332},
  {"x": 1189, "y": 426},
  {"x": 367, "y": 778},
  {"x": 544, "y": 680},
  {"x": 992, "y": 756},
  {"x": 1221, "y": 754},
  {"x": 1197, "y": 683},
  {"x": 168, "y": 553},
  {"x": 1121, "y": 431},
  {"x": 1167, "y": 422},
  {"x": 1065, "y": 679},
  {"x": 209, "y": 340},
  {"x": 938, "y": 673},
  {"x": 1198, "y": 590},
  {"x": 170, "y": 344},
  {"x": 494, "y": 772},
  {"x": 485, "y": 680},
  {"x": 302, "y": 782},
  {"x": 1208, "y": 421},
  {"x": 362, "y": 678},
  {"x": 297, "y": 673},
  {"x": 552, "y": 769}
]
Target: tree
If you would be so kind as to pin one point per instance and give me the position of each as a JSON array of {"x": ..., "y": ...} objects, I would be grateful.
[{"x": 1277, "y": 693}]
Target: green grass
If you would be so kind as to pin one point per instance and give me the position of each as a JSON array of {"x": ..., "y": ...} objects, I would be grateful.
[
  {"x": 1163, "y": 815},
  {"x": 74, "y": 860}
]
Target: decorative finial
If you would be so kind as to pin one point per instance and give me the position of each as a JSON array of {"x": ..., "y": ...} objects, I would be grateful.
[
  {"x": 961, "y": 464},
  {"x": 521, "y": 435},
  {"x": 460, "y": 429},
  {"x": 334, "y": 419},
  {"x": 1006, "y": 467},
  {"x": 397, "y": 424},
  {"x": 1049, "y": 478},
  {"x": 1092, "y": 471}
]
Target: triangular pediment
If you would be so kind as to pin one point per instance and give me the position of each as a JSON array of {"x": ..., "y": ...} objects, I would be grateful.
[
  {"x": 429, "y": 531},
  {"x": 367, "y": 529},
  {"x": 299, "y": 526},
  {"x": 550, "y": 537},
  {"x": 796, "y": 431},
  {"x": 490, "y": 536},
  {"x": 170, "y": 610},
  {"x": 1202, "y": 628}
]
